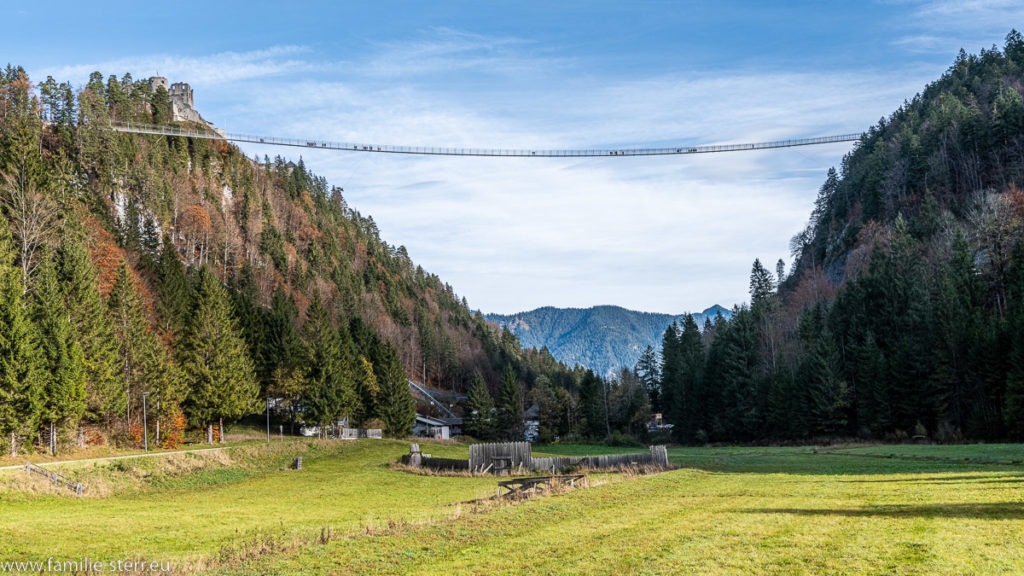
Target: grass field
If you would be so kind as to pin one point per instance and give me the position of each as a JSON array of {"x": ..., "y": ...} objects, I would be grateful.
[{"x": 736, "y": 510}]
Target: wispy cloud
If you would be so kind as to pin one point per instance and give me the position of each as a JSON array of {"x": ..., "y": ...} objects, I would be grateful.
[
  {"x": 944, "y": 26},
  {"x": 664, "y": 234},
  {"x": 445, "y": 50},
  {"x": 667, "y": 234},
  {"x": 212, "y": 70}
]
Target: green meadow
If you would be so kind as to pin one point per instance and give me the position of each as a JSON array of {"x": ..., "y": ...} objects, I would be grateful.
[{"x": 735, "y": 510}]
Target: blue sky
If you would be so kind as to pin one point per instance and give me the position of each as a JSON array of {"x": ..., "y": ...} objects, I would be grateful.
[{"x": 668, "y": 234}]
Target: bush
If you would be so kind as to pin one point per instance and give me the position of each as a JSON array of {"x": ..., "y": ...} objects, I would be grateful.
[{"x": 624, "y": 440}]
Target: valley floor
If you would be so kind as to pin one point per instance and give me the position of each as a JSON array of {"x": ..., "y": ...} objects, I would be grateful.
[{"x": 865, "y": 510}]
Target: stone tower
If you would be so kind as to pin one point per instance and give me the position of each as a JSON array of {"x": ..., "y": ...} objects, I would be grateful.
[
  {"x": 181, "y": 94},
  {"x": 156, "y": 82}
]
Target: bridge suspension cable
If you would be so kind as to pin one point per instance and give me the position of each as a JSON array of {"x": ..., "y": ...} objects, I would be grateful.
[{"x": 135, "y": 128}]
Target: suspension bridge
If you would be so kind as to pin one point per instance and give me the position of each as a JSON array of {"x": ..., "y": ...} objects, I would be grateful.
[{"x": 135, "y": 128}]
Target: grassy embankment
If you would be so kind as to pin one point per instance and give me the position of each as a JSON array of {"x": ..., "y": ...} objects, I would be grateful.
[{"x": 857, "y": 510}]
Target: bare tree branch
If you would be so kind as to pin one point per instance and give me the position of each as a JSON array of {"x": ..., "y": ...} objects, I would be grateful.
[{"x": 33, "y": 217}]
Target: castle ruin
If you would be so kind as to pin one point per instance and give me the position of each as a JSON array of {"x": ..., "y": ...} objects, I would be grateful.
[{"x": 181, "y": 100}]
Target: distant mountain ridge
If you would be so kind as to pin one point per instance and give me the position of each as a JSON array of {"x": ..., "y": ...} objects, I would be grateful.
[{"x": 602, "y": 338}]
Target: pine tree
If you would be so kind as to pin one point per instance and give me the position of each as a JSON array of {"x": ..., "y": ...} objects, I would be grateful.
[
  {"x": 671, "y": 375},
  {"x": 479, "y": 420},
  {"x": 367, "y": 390},
  {"x": 762, "y": 284},
  {"x": 329, "y": 390},
  {"x": 175, "y": 295},
  {"x": 592, "y": 404},
  {"x": 959, "y": 316},
  {"x": 740, "y": 415},
  {"x": 104, "y": 394},
  {"x": 396, "y": 407},
  {"x": 281, "y": 345},
  {"x": 21, "y": 378},
  {"x": 214, "y": 359},
  {"x": 1013, "y": 408},
  {"x": 650, "y": 377},
  {"x": 147, "y": 366},
  {"x": 689, "y": 401},
  {"x": 553, "y": 409},
  {"x": 828, "y": 395},
  {"x": 510, "y": 406},
  {"x": 62, "y": 361}
]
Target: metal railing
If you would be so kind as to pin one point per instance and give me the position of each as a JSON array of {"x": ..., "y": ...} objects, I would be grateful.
[
  {"x": 56, "y": 478},
  {"x": 213, "y": 134}
]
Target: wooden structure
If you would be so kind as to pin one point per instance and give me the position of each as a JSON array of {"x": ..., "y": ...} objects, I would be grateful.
[
  {"x": 657, "y": 456},
  {"x": 504, "y": 458},
  {"x": 418, "y": 459},
  {"x": 355, "y": 433},
  {"x": 520, "y": 488},
  {"x": 56, "y": 478},
  {"x": 500, "y": 457}
]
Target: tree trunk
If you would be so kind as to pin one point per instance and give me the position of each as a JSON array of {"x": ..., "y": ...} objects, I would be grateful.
[
  {"x": 221, "y": 431},
  {"x": 209, "y": 433}
]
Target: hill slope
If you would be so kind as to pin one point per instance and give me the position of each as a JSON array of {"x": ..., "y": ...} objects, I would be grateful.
[
  {"x": 131, "y": 264},
  {"x": 903, "y": 314},
  {"x": 602, "y": 338}
]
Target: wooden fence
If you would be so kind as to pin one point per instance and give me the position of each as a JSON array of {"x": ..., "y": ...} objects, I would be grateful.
[
  {"x": 500, "y": 457},
  {"x": 658, "y": 456},
  {"x": 354, "y": 433},
  {"x": 511, "y": 457}
]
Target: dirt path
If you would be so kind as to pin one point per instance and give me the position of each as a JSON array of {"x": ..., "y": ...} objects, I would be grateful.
[{"x": 151, "y": 455}]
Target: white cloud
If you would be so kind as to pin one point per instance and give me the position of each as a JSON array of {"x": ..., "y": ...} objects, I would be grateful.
[
  {"x": 945, "y": 26},
  {"x": 208, "y": 71},
  {"x": 667, "y": 234}
]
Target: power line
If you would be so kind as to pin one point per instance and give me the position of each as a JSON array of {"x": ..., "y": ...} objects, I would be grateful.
[{"x": 135, "y": 128}]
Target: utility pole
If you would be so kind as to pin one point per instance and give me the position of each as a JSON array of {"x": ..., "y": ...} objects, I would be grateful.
[{"x": 145, "y": 428}]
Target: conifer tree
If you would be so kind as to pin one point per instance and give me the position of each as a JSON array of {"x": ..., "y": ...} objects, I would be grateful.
[
  {"x": 828, "y": 395},
  {"x": 689, "y": 400},
  {"x": 479, "y": 420},
  {"x": 741, "y": 412},
  {"x": 396, "y": 407},
  {"x": 175, "y": 295},
  {"x": 214, "y": 359},
  {"x": 959, "y": 319},
  {"x": 650, "y": 377},
  {"x": 147, "y": 367},
  {"x": 1013, "y": 410},
  {"x": 62, "y": 361},
  {"x": 671, "y": 375},
  {"x": 367, "y": 390},
  {"x": 281, "y": 345},
  {"x": 104, "y": 394},
  {"x": 329, "y": 390},
  {"x": 21, "y": 378},
  {"x": 592, "y": 404},
  {"x": 510, "y": 406}
]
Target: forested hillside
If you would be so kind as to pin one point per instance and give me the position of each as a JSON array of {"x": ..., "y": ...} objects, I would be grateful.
[
  {"x": 602, "y": 338},
  {"x": 904, "y": 312},
  {"x": 181, "y": 271}
]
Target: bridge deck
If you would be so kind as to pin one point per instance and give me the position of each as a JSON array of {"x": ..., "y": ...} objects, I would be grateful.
[{"x": 135, "y": 128}]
